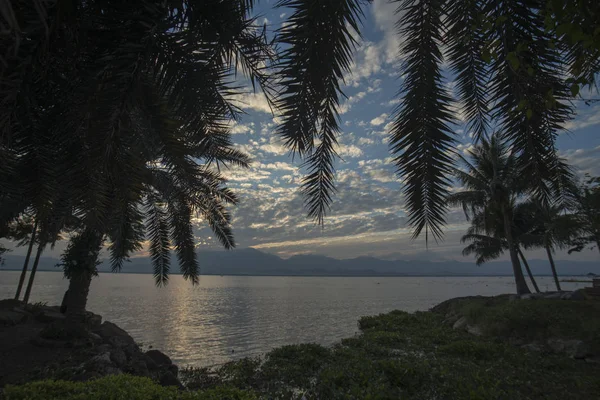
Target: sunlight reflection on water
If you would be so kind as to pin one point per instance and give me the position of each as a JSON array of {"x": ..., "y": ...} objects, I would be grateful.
[{"x": 229, "y": 317}]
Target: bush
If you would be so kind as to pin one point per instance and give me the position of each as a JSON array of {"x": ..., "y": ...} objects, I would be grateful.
[{"x": 116, "y": 387}]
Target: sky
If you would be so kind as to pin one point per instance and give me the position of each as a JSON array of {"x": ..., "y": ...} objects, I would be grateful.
[{"x": 367, "y": 217}]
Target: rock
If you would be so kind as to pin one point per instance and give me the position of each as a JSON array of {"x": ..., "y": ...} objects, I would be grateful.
[
  {"x": 120, "y": 341},
  {"x": 95, "y": 338},
  {"x": 582, "y": 350},
  {"x": 474, "y": 330},
  {"x": 132, "y": 350},
  {"x": 48, "y": 343},
  {"x": 578, "y": 295},
  {"x": 168, "y": 379},
  {"x": 593, "y": 360},
  {"x": 109, "y": 330},
  {"x": 532, "y": 347},
  {"x": 103, "y": 348},
  {"x": 569, "y": 347},
  {"x": 460, "y": 324},
  {"x": 118, "y": 357},
  {"x": 566, "y": 295},
  {"x": 528, "y": 296},
  {"x": 152, "y": 366},
  {"x": 138, "y": 367},
  {"x": 158, "y": 357},
  {"x": 102, "y": 365},
  {"x": 513, "y": 297},
  {"x": 9, "y": 318},
  {"x": 174, "y": 369},
  {"x": 49, "y": 315},
  {"x": 553, "y": 295},
  {"x": 94, "y": 321}
]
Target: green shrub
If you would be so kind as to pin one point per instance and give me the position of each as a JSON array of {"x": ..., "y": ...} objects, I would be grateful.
[{"x": 116, "y": 387}]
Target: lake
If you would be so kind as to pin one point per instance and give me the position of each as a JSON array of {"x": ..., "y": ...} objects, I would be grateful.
[{"x": 229, "y": 317}]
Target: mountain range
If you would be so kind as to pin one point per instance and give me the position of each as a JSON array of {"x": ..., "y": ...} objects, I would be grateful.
[{"x": 250, "y": 261}]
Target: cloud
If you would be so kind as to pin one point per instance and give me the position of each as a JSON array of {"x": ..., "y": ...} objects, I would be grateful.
[
  {"x": 237, "y": 128},
  {"x": 252, "y": 101},
  {"x": 363, "y": 141},
  {"x": 589, "y": 117},
  {"x": 379, "y": 120},
  {"x": 349, "y": 151},
  {"x": 585, "y": 160}
]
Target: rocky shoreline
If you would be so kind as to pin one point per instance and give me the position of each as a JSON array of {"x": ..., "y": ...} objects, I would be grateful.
[{"x": 34, "y": 334}]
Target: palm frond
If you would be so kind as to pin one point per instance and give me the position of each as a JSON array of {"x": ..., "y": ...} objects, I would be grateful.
[
  {"x": 421, "y": 139},
  {"x": 466, "y": 44},
  {"x": 317, "y": 44},
  {"x": 158, "y": 229}
]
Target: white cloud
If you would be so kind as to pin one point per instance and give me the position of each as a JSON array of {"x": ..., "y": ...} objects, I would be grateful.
[
  {"x": 585, "y": 160},
  {"x": 349, "y": 151},
  {"x": 278, "y": 166},
  {"x": 379, "y": 120},
  {"x": 237, "y": 128},
  {"x": 585, "y": 119},
  {"x": 363, "y": 141},
  {"x": 252, "y": 101},
  {"x": 282, "y": 15},
  {"x": 274, "y": 147}
]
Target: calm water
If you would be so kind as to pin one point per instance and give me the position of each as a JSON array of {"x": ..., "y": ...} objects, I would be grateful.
[{"x": 236, "y": 316}]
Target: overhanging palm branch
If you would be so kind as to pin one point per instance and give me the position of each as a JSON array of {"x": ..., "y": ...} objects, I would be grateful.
[
  {"x": 421, "y": 139},
  {"x": 317, "y": 43}
]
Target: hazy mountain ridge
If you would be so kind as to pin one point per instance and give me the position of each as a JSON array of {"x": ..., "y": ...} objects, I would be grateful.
[{"x": 254, "y": 262}]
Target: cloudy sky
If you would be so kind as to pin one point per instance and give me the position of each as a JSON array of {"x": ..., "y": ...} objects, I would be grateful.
[{"x": 368, "y": 215}]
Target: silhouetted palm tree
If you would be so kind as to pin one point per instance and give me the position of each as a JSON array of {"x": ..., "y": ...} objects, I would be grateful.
[
  {"x": 492, "y": 184},
  {"x": 487, "y": 237},
  {"x": 586, "y": 212}
]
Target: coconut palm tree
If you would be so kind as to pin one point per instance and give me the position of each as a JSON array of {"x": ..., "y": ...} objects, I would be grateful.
[
  {"x": 135, "y": 117},
  {"x": 550, "y": 227},
  {"x": 586, "y": 212},
  {"x": 492, "y": 184},
  {"x": 488, "y": 240}
]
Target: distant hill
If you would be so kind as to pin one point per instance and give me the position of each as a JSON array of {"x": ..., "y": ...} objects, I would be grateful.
[{"x": 254, "y": 262}]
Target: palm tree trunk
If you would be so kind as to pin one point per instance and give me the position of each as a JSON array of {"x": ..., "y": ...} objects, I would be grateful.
[
  {"x": 26, "y": 263},
  {"x": 554, "y": 274},
  {"x": 39, "y": 252},
  {"x": 80, "y": 281},
  {"x": 514, "y": 257},
  {"x": 526, "y": 264}
]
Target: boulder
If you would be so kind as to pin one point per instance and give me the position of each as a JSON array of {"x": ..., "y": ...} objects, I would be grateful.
[
  {"x": 571, "y": 347},
  {"x": 474, "y": 330},
  {"x": 168, "y": 379},
  {"x": 101, "y": 365},
  {"x": 109, "y": 330},
  {"x": 120, "y": 341},
  {"x": 532, "y": 347},
  {"x": 94, "y": 321},
  {"x": 9, "y": 318},
  {"x": 49, "y": 315},
  {"x": 118, "y": 357},
  {"x": 579, "y": 294},
  {"x": 158, "y": 357},
  {"x": 460, "y": 324},
  {"x": 95, "y": 338}
]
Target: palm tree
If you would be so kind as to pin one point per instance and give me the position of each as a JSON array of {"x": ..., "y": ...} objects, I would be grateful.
[
  {"x": 144, "y": 105},
  {"x": 586, "y": 207},
  {"x": 551, "y": 227},
  {"x": 488, "y": 238},
  {"x": 492, "y": 184}
]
